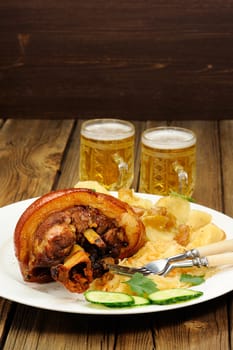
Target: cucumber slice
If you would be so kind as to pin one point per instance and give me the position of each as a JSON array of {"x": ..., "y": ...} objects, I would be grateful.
[
  {"x": 172, "y": 296},
  {"x": 112, "y": 299},
  {"x": 140, "y": 301}
]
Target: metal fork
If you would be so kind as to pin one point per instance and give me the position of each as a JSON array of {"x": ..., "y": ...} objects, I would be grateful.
[
  {"x": 157, "y": 267},
  {"x": 195, "y": 257},
  {"x": 129, "y": 271}
]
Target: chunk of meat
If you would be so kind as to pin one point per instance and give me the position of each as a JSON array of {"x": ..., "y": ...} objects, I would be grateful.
[
  {"x": 45, "y": 234},
  {"x": 76, "y": 273},
  {"x": 57, "y": 243},
  {"x": 61, "y": 231}
]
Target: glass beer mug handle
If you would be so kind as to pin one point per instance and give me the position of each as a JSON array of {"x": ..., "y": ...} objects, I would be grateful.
[
  {"x": 182, "y": 177},
  {"x": 122, "y": 168}
]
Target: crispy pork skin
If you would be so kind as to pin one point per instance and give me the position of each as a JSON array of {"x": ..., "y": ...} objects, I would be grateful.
[{"x": 69, "y": 235}]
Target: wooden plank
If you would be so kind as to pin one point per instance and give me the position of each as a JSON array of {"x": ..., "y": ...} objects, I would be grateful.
[
  {"x": 135, "y": 332},
  {"x": 69, "y": 175},
  {"x": 153, "y": 60},
  {"x": 30, "y": 157},
  {"x": 143, "y": 17},
  {"x": 41, "y": 329},
  {"x": 24, "y": 174},
  {"x": 203, "y": 327},
  {"x": 5, "y": 319},
  {"x": 31, "y": 152}
]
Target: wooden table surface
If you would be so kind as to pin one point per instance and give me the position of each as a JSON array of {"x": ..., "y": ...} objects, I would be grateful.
[{"x": 37, "y": 156}]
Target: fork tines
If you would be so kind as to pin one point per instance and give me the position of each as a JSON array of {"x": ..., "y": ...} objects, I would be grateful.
[{"x": 128, "y": 271}]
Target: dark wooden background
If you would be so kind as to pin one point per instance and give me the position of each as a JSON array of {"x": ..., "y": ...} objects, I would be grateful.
[{"x": 153, "y": 59}]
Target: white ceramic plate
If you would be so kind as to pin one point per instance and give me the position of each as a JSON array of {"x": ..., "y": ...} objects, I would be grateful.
[{"x": 53, "y": 296}]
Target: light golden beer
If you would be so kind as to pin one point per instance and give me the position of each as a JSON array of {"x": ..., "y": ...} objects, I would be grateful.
[
  {"x": 168, "y": 161},
  {"x": 107, "y": 153}
]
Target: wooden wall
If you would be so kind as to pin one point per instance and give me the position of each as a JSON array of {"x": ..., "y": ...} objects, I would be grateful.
[{"x": 134, "y": 59}]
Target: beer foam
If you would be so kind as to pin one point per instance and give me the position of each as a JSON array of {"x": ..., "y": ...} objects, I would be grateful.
[
  {"x": 169, "y": 138},
  {"x": 107, "y": 131}
]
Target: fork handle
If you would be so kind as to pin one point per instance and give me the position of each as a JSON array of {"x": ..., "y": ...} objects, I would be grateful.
[
  {"x": 216, "y": 248},
  {"x": 220, "y": 259}
]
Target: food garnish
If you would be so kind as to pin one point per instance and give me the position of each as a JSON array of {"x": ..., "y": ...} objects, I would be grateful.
[
  {"x": 172, "y": 296},
  {"x": 120, "y": 299},
  {"x": 187, "y": 198},
  {"x": 192, "y": 280},
  {"x": 111, "y": 299},
  {"x": 141, "y": 285}
]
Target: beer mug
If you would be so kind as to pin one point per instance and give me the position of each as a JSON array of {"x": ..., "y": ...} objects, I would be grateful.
[
  {"x": 168, "y": 161},
  {"x": 107, "y": 153}
]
